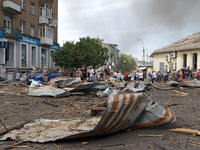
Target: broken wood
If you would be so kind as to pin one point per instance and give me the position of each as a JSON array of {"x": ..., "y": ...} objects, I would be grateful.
[
  {"x": 186, "y": 131},
  {"x": 89, "y": 108},
  {"x": 4, "y": 126},
  {"x": 93, "y": 112},
  {"x": 185, "y": 94},
  {"x": 149, "y": 135},
  {"x": 50, "y": 104},
  {"x": 17, "y": 125}
]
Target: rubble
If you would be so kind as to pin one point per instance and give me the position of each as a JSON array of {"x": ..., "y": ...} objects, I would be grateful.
[
  {"x": 38, "y": 89},
  {"x": 134, "y": 110},
  {"x": 138, "y": 87},
  {"x": 194, "y": 83}
]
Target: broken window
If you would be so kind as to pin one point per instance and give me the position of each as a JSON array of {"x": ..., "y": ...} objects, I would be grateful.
[
  {"x": 195, "y": 61},
  {"x": 184, "y": 60}
]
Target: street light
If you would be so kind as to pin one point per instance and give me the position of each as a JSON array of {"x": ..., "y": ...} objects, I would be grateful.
[{"x": 138, "y": 39}]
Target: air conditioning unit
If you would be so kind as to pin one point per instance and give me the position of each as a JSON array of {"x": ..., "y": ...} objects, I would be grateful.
[
  {"x": 20, "y": 29},
  {"x": 167, "y": 57},
  {"x": 173, "y": 66},
  {"x": 167, "y": 69},
  {"x": 173, "y": 55}
]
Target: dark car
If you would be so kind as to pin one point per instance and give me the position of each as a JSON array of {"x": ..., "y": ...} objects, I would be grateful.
[{"x": 38, "y": 76}]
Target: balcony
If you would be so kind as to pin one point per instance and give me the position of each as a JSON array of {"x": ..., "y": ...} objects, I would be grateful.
[
  {"x": 46, "y": 41},
  {"x": 46, "y": 1},
  {"x": 43, "y": 20},
  {"x": 12, "y": 33},
  {"x": 11, "y": 7},
  {"x": 47, "y": 21}
]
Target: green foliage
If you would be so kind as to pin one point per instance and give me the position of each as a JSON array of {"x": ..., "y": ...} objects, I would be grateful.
[
  {"x": 63, "y": 56},
  {"x": 126, "y": 63},
  {"x": 87, "y": 52}
]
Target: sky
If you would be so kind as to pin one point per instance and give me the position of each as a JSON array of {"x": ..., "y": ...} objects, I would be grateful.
[{"x": 157, "y": 23}]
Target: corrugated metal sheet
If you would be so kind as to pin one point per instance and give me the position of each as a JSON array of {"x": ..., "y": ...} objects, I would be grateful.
[
  {"x": 190, "y": 42},
  {"x": 123, "y": 111}
]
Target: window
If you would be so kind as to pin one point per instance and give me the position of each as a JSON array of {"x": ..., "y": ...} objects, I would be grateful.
[
  {"x": 184, "y": 60},
  {"x": 22, "y": 23},
  {"x": 195, "y": 61},
  {"x": 9, "y": 54},
  {"x": 32, "y": 30},
  {"x": 48, "y": 12},
  {"x": 22, "y": 4},
  {"x": 49, "y": 32},
  {"x": 32, "y": 8},
  {"x": 7, "y": 22},
  {"x": 33, "y": 60},
  {"x": 42, "y": 31},
  {"x": 42, "y": 10},
  {"x": 43, "y": 58},
  {"x": 23, "y": 55}
]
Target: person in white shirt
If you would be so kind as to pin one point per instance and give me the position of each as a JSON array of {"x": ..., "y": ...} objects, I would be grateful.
[
  {"x": 154, "y": 77},
  {"x": 141, "y": 76},
  {"x": 115, "y": 74},
  {"x": 91, "y": 74},
  {"x": 119, "y": 76}
]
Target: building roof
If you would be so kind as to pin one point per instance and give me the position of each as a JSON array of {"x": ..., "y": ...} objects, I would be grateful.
[{"x": 190, "y": 42}]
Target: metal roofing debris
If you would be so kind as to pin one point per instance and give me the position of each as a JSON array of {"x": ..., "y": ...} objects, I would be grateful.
[
  {"x": 139, "y": 87},
  {"x": 134, "y": 110},
  {"x": 37, "y": 89},
  {"x": 190, "y": 42}
]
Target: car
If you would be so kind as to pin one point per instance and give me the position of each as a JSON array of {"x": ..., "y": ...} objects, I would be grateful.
[{"x": 38, "y": 76}]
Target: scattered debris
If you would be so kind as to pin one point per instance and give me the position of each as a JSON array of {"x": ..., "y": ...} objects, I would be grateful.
[
  {"x": 140, "y": 87},
  {"x": 182, "y": 93},
  {"x": 134, "y": 110},
  {"x": 37, "y": 89},
  {"x": 193, "y": 84},
  {"x": 150, "y": 135},
  {"x": 186, "y": 131}
]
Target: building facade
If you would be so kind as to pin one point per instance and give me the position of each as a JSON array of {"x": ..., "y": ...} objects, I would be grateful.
[
  {"x": 28, "y": 33},
  {"x": 180, "y": 54},
  {"x": 113, "y": 52}
]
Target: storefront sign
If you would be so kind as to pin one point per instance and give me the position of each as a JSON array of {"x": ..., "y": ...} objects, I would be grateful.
[
  {"x": 29, "y": 40},
  {"x": 3, "y": 44},
  {"x": 1, "y": 33},
  {"x": 54, "y": 47}
]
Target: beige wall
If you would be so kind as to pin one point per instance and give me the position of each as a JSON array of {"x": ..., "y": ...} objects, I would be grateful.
[{"x": 179, "y": 59}]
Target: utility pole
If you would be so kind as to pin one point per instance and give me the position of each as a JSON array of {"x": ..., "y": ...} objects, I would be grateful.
[{"x": 138, "y": 39}]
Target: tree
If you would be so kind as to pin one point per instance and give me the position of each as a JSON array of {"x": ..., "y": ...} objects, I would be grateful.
[
  {"x": 89, "y": 52},
  {"x": 126, "y": 63},
  {"x": 63, "y": 56}
]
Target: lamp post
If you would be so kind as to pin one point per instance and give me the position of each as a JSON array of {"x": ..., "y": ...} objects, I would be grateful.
[{"x": 138, "y": 39}]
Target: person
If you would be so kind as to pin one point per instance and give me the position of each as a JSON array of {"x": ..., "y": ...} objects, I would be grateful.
[
  {"x": 199, "y": 74},
  {"x": 196, "y": 74},
  {"x": 107, "y": 74},
  {"x": 45, "y": 73},
  {"x": 165, "y": 74},
  {"x": 115, "y": 74},
  {"x": 170, "y": 76},
  {"x": 159, "y": 76},
  {"x": 126, "y": 76},
  {"x": 177, "y": 75},
  {"x": 154, "y": 77},
  {"x": 119, "y": 76},
  {"x": 149, "y": 76},
  {"x": 101, "y": 76},
  {"x": 183, "y": 73},
  {"x": 187, "y": 73},
  {"x": 137, "y": 75},
  {"x": 140, "y": 76},
  {"x": 91, "y": 74}
]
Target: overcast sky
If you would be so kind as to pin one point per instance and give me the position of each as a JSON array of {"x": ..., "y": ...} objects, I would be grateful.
[{"x": 157, "y": 23}]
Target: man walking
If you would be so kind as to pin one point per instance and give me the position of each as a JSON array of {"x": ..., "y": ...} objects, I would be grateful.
[
  {"x": 188, "y": 73},
  {"x": 165, "y": 76},
  {"x": 45, "y": 72}
]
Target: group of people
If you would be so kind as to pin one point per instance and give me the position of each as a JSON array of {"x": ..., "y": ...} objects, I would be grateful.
[
  {"x": 157, "y": 77},
  {"x": 186, "y": 74}
]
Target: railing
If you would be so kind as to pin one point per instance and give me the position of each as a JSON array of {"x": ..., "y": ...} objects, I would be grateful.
[{"x": 12, "y": 32}]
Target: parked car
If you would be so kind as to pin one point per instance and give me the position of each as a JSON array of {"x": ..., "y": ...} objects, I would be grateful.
[{"x": 38, "y": 76}]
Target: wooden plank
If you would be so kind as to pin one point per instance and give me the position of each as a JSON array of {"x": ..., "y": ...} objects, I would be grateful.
[{"x": 186, "y": 131}]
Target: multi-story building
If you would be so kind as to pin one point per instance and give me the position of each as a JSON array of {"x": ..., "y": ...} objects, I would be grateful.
[
  {"x": 113, "y": 52},
  {"x": 28, "y": 33}
]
